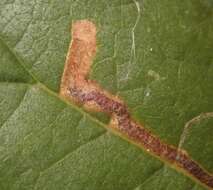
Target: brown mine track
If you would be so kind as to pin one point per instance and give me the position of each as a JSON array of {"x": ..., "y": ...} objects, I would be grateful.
[{"x": 76, "y": 88}]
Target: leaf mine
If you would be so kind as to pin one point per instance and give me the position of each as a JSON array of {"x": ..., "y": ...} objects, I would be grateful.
[{"x": 77, "y": 88}]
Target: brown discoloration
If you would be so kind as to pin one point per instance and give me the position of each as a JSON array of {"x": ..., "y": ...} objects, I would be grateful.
[
  {"x": 77, "y": 88},
  {"x": 81, "y": 52}
]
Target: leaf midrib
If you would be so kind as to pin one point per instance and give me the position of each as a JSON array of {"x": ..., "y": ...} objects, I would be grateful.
[{"x": 68, "y": 103}]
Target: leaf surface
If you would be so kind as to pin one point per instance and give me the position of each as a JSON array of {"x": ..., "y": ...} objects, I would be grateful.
[{"x": 157, "y": 56}]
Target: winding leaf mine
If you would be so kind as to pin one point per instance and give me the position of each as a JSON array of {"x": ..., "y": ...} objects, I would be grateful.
[{"x": 77, "y": 88}]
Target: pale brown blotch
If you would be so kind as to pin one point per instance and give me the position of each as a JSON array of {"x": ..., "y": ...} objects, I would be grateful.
[{"x": 82, "y": 50}]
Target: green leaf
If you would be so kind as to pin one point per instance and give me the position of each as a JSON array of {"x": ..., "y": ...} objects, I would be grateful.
[{"x": 156, "y": 55}]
